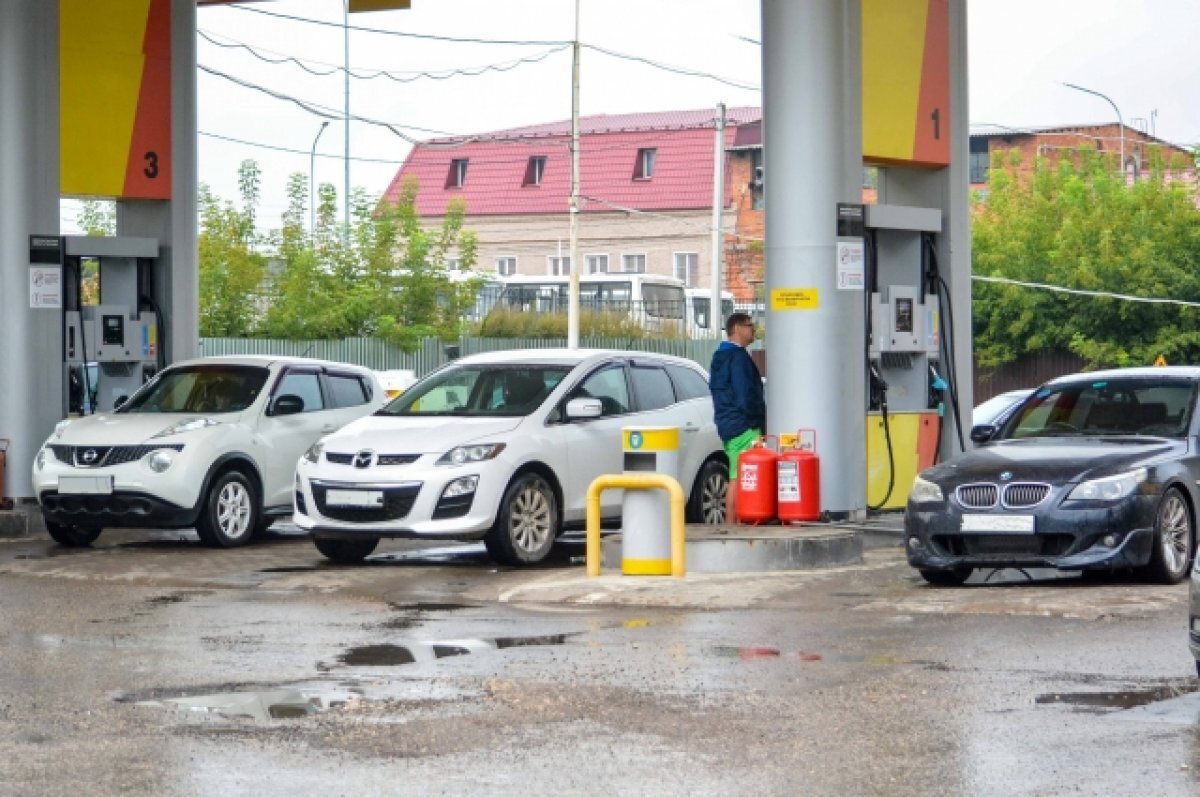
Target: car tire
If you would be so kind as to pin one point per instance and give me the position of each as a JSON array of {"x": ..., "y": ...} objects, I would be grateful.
[
  {"x": 526, "y": 522},
  {"x": 230, "y": 512},
  {"x": 706, "y": 504},
  {"x": 947, "y": 578},
  {"x": 346, "y": 552},
  {"x": 72, "y": 536},
  {"x": 1174, "y": 539}
]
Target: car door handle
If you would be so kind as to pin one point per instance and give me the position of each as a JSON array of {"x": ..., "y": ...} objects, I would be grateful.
[
  {"x": 329, "y": 427},
  {"x": 691, "y": 428}
]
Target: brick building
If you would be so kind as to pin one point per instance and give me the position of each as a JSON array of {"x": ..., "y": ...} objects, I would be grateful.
[
  {"x": 646, "y": 182},
  {"x": 1053, "y": 143}
]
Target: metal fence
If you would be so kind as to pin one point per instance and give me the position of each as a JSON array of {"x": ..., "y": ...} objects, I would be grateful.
[{"x": 381, "y": 356}]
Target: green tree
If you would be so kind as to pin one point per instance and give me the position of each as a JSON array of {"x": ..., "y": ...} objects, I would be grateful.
[
  {"x": 1078, "y": 225},
  {"x": 97, "y": 217},
  {"x": 384, "y": 275},
  {"x": 232, "y": 266}
]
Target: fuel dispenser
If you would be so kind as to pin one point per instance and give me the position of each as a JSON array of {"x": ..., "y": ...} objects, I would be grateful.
[
  {"x": 111, "y": 324},
  {"x": 906, "y": 346}
]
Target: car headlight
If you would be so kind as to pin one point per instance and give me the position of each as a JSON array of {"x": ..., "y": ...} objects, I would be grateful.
[
  {"x": 1109, "y": 488},
  {"x": 187, "y": 426},
  {"x": 925, "y": 492},
  {"x": 42, "y": 455},
  {"x": 464, "y": 486},
  {"x": 313, "y": 454},
  {"x": 464, "y": 455},
  {"x": 160, "y": 460}
]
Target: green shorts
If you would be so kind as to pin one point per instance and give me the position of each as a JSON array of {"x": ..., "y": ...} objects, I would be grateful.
[{"x": 737, "y": 445}]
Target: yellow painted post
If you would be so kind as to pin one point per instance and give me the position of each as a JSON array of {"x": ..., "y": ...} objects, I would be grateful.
[{"x": 637, "y": 481}]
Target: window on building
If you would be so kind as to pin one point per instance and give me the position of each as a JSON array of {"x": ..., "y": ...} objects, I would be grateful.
[
  {"x": 596, "y": 264},
  {"x": 457, "y": 177},
  {"x": 644, "y": 168},
  {"x": 757, "y": 191},
  {"x": 633, "y": 264},
  {"x": 506, "y": 266},
  {"x": 687, "y": 268},
  {"x": 977, "y": 163},
  {"x": 453, "y": 264},
  {"x": 534, "y": 170},
  {"x": 558, "y": 266}
]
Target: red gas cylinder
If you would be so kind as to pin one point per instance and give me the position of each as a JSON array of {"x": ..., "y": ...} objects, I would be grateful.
[
  {"x": 799, "y": 481},
  {"x": 756, "y": 492}
]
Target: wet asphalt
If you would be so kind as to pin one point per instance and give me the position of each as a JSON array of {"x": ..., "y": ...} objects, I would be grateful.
[{"x": 149, "y": 665}]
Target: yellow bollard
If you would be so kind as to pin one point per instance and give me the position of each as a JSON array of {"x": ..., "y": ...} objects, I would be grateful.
[{"x": 637, "y": 481}]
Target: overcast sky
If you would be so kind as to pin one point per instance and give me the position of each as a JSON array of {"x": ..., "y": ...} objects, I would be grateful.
[{"x": 1138, "y": 52}]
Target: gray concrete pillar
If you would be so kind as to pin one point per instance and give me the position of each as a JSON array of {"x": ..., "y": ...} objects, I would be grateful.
[
  {"x": 812, "y": 145},
  {"x": 30, "y": 338}
]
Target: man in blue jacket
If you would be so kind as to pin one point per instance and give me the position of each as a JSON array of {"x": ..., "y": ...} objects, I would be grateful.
[{"x": 737, "y": 392}]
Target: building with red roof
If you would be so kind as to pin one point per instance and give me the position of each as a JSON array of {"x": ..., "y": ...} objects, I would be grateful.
[{"x": 646, "y": 187}]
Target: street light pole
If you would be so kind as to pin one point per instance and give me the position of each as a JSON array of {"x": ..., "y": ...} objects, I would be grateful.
[
  {"x": 573, "y": 209},
  {"x": 312, "y": 185},
  {"x": 346, "y": 76},
  {"x": 1120, "y": 123}
]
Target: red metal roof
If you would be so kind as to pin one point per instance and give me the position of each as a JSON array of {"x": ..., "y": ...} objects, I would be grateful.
[{"x": 498, "y": 163}]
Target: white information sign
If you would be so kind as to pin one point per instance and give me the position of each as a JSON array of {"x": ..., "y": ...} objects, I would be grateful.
[
  {"x": 850, "y": 265},
  {"x": 45, "y": 287}
]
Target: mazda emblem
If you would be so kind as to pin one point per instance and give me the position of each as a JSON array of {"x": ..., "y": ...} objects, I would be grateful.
[
  {"x": 89, "y": 456},
  {"x": 363, "y": 458}
]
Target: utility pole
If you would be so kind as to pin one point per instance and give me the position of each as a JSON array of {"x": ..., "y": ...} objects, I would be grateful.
[
  {"x": 346, "y": 77},
  {"x": 573, "y": 211},
  {"x": 714, "y": 307}
]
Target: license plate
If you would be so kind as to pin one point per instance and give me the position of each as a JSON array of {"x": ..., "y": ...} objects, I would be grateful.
[
  {"x": 1018, "y": 524},
  {"x": 368, "y": 498},
  {"x": 85, "y": 485}
]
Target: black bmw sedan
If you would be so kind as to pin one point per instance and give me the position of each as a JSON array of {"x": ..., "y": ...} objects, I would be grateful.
[{"x": 1094, "y": 471}]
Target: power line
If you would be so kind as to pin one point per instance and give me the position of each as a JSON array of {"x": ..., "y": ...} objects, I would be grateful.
[
  {"x": 558, "y": 44},
  {"x": 334, "y": 69},
  {"x": 303, "y": 152},
  {"x": 427, "y": 36},
  {"x": 1081, "y": 292}
]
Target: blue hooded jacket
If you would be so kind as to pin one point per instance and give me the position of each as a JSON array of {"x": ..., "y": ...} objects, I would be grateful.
[{"x": 737, "y": 391}]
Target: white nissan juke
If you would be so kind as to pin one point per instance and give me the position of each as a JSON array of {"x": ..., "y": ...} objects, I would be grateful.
[
  {"x": 209, "y": 443},
  {"x": 503, "y": 447}
]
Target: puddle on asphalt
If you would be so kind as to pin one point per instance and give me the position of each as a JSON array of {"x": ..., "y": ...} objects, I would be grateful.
[
  {"x": 393, "y": 655},
  {"x": 430, "y": 607},
  {"x": 292, "y": 569},
  {"x": 749, "y": 653},
  {"x": 262, "y": 706},
  {"x": 1133, "y": 698},
  {"x": 377, "y": 656}
]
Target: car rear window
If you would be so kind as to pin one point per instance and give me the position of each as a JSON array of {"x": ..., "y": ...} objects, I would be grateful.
[
  {"x": 347, "y": 390},
  {"x": 689, "y": 383},
  {"x": 653, "y": 387}
]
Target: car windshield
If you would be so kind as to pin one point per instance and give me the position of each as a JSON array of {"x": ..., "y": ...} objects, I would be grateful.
[
  {"x": 480, "y": 390},
  {"x": 993, "y": 410},
  {"x": 1143, "y": 406},
  {"x": 200, "y": 388}
]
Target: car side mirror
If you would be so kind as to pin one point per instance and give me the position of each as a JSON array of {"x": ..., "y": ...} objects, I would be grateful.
[
  {"x": 287, "y": 404},
  {"x": 983, "y": 433},
  {"x": 580, "y": 408}
]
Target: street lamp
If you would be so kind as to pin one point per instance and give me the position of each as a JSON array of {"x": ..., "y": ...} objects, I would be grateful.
[
  {"x": 1120, "y": 123},
  {"x": 312, "y": 164}
]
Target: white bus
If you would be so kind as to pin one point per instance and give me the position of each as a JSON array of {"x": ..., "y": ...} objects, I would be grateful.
[
  {"x": 657, "y": 303},
  {"x": 698, "y": 301}
]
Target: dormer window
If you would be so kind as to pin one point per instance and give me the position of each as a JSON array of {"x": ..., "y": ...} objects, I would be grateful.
[
  {"x": 644, "y": 168},
  {"x": 457, "y": 177},
  {"x": 534, "y": 170}
]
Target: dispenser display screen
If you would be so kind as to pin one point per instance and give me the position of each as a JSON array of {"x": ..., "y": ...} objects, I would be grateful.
[{"x": 904, "y": 315}]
